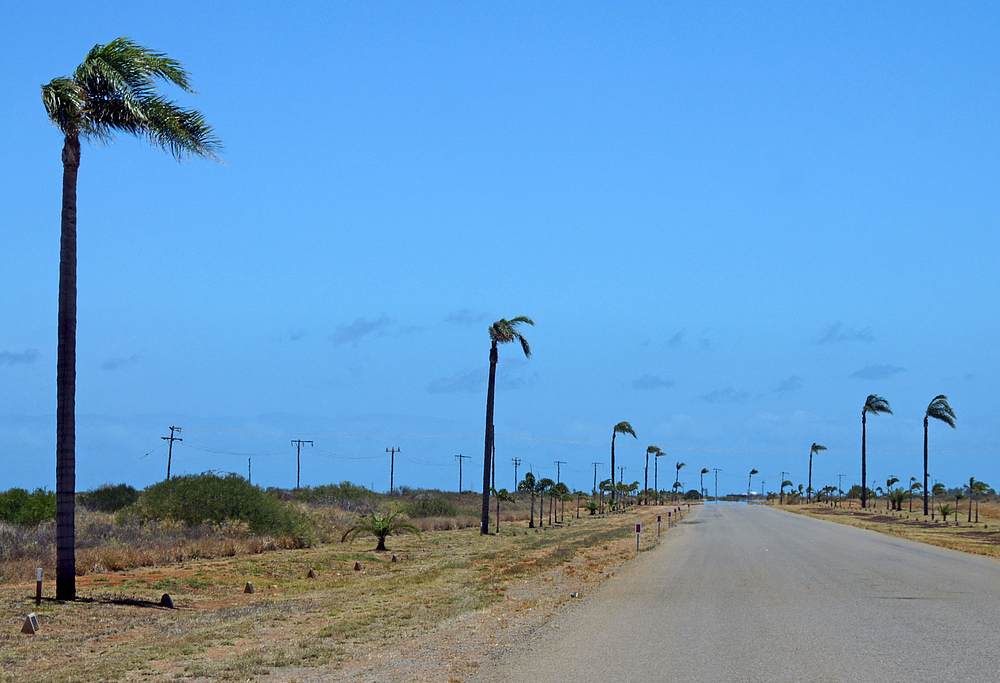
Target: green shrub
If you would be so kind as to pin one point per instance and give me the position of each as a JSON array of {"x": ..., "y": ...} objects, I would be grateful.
[
  {"x": 20, "y": 507},
  {"x": 435, "y": 506},
  {"x": 345, "y": 494},
  {"x": 109, "y": 498},
  {"x": 213, "y": 498}
]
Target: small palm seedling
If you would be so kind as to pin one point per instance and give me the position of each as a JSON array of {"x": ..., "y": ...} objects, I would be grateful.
[{"x": 379, "y": 526}]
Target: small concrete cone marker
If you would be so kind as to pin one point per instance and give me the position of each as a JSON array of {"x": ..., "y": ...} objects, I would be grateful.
[
  {"x": 166, "y": 601},
  {"x": 248, "y": 588},
  {"x": 30, "y": 624},
  {"x": 357, "y": 566},
  {"x": 312, "y": 574}
]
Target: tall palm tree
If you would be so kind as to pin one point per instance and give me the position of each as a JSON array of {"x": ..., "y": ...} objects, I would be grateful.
[
  {"x": 528, "y": 484},
  {"x": 816, "y": 448},
  {"x": 889, "y": 483},
  {"x": 502, "y": 496},
  {"x": 914, "y": 486},
  {"x": 657, "y": 454},
  {"x": 786, "y": 482},
  {"x": 704, "y": 471},
  {"x": 938, "y": 490},
  {"x": 620, "y": 428},
  {"x": 112, "y": 91},
  {"x": 874, "y": 405},
  {"x": 677, "y": 476},
  {"x": 939, "y": 410},
  {"x": 979, "y": 488},
  {"x": 503, "y": 331},
  {"x": 750, "y": 479},
  {"x": 542, "y": 488},
  {"x": 649, "y": 449}
]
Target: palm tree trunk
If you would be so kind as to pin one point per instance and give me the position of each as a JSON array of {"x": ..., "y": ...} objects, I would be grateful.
[
  {"x": 809, "y": 488},
  {"x": 531, "y": 524},
  {"x": 645, "y": 487},
  {"x": 484, "y": 528},
  {"x": 498, "y": 514},
  {"x": 66, "y": 381},
  {"x": 925, "y": 465},
  {"x": 613, "y": 435},
  {"x": 864, "y": 469}
]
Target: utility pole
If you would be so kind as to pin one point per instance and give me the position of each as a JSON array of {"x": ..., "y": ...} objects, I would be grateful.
[
  {"x": 392, "y": 464},
  {"x": 460, "y": 459},
  {"x": 249, "y": 472},
  {"x": 717, "y": 470},
  {"x": 595, "y": 464},
  {"x": 516, "y": 461},
  {"x": 557, "y": 463},
  {"x": 298, "y": 460},
  {"x": 781, "y": 495},
  {"x": 840, "y": 488},
  {"x": 170, "y": 448},
  {"x": 621, "y": 473}
]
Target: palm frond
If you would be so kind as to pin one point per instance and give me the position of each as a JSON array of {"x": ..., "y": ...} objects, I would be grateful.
[
  {"x": 816, "y": 448},
  {"x": 653, "y": 449},
  {"x": 504, "y": 331},
  {"x": 704, "y": 470},
  {"x": 64, "y": 103},
  {"x": 753, "y": 472},
  {"x": 680, "y": 465},
  {"x": 624, "y": 428},
  {"x": 114, "y": 90},
  {"x": 876, "y": 404},
  {"x": 939, "y": 409}
]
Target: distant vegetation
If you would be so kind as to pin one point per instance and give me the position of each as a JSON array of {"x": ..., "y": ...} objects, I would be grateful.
[
  {"x": 215, "y": 498},
  {"x": 109, "y": 498},
  {"x": 17, "y": 506}
]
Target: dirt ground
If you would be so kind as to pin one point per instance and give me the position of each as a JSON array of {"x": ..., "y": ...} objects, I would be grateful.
[{"x": 453, "y": 599}]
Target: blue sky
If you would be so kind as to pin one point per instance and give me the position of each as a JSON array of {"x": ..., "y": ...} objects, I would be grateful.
[{"x": 730, "y": 223}]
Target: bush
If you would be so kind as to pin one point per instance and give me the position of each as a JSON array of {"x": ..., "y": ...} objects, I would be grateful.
[
  {"x": 17, "y": 506},
  {"x": 216, "y": 499},
  {"x": 430, "y": 507},
  {"x": 345, "y": 495},
  {"x": 109, "y": 498}
]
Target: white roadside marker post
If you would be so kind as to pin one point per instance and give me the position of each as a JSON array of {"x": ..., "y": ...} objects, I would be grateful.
[
  {"x": 659, "y": 518},
  {"x": 638, "y": 530},
  {"x": 38, "y": 588}
]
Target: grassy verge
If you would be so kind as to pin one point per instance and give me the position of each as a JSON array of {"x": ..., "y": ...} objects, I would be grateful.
[
  {"x": 982, "y": 538},
  {"x": 217, "y": 632}
]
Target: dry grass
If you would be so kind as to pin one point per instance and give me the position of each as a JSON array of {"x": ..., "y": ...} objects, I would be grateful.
[
  {"x": 218, "y": 632},
  {"x": 982, "y": 538}
]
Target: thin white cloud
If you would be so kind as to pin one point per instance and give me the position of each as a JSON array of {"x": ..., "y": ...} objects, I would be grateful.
[
  {"x": 837, "y": 333},
  {"x": 465, "y": 316},
  {"x": 26, "y": 357},
  {"x": 877, "y": 371},
  {"x": 652, "y": 382},
  {"x": 362, "y": 327},
  {"x": 116, "y": 363},
  {"x": 473, "y": 380},
  {"x": 793, "y": 383},
  {"x": 727, "y": 395}
]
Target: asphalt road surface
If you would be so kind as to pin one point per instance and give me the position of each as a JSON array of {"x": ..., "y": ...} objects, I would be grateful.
[{"x": 749, "y": 593}]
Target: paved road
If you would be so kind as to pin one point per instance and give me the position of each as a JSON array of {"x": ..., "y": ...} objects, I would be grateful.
[{"x": 748, "y": 593}]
